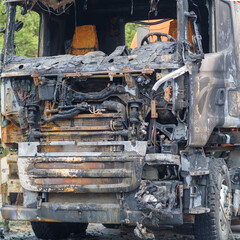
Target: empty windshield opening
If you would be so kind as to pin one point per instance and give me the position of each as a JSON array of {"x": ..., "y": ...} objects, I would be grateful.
[
  {"x": 83, "y": 26},
  {"x": 26, "y": 33},
  {"x": 151, "y": 31},
  {"x": 97, "y": 26},
  {"x": 137, "y": 31}
]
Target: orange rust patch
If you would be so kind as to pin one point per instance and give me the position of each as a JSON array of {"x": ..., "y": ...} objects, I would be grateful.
[
  {"x": 11, "y": 134},
  {"x": 76, "y": 181}
]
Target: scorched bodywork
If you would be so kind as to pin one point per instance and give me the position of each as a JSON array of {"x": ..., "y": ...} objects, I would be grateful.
[{"x": 107, "y": 134}]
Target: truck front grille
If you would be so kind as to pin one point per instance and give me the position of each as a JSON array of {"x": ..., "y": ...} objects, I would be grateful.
[{"x": 81, "y": 171}]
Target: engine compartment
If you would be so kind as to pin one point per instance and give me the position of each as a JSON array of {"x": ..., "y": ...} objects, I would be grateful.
[{"x": 52, "y": 106}]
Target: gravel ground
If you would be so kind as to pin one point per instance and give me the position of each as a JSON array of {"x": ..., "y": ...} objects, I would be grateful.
[{"x": 99, "y": 232}]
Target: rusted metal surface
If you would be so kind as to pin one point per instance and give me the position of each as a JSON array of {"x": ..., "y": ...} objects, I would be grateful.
[
  {"x": 66, "y": 165},
  {"x": 11, "y": 133},
  {"x": 103, "y": 213},
  {"x": 35, "y": 78},
  {"x": 154, "y": 109},
  {"x": 84, "y": 122},
  {"x": 33, "y": 149},
  {"x": 118, "y": 170},
  {"x": 70, "y": 213}
]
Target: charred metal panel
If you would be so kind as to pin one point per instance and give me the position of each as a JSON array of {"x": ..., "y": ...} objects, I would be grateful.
[
  {"x": 195, "y": 171},
  {"x": 160, "y": 159},
  {"x": 207, "y": 91},
  {"x": 95, "y": 213},
  {"x": 81, "y": 171},
  {"x": 98, "y": 213},
  {"x": 182, "y": 7},
  {"x": 210, "y": 96},
  {"x": 160, "y": 198},
  {"x": 144, "y": 57}
]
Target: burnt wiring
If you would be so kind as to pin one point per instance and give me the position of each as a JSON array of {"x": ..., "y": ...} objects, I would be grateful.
[
  {"x": 54, "y": 13},
  {"x": 131, "y": 7},
  {"x": 153, "y": 7}
]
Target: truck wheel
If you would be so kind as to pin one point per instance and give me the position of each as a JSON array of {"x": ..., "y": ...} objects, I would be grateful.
[
  {"x": 50, "y": 230},
  {"x": 112, "y": 226},
  {"x": 78, "y": 228},
  {"x": 215, "y": 225}
]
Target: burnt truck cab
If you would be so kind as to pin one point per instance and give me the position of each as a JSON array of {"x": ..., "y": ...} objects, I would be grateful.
[{"x": 143, "y": 136}]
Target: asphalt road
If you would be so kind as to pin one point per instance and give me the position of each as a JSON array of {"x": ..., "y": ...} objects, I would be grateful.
[{"x": 99, "y": 232}]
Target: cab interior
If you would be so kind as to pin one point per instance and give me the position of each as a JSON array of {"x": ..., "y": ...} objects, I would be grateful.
[{"x": 100, "y": 25}]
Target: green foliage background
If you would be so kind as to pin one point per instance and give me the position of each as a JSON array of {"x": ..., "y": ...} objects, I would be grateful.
[
  {"x": 2, "y": 21},
  {"x": 26, "y": 40},
  {"x": 131, "y": 29}
]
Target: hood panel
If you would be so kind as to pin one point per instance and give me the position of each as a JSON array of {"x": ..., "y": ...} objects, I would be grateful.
[{"x": 158, "y": 55}]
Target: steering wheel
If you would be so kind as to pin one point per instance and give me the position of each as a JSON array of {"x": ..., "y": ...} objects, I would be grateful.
[{"x": 159, "y": 37}]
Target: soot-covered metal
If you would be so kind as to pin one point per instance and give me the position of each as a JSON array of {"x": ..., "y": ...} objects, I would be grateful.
[{"x": 119, "y": 135}]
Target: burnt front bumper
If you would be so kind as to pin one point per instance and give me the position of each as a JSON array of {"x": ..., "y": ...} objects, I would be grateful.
[
  {"x": 90, "y": 213},
  {"x": 65, "y": 212}
]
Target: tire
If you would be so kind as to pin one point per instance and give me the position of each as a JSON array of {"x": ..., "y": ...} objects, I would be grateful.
[
  {"x": 50, "y": 230},
  {"x": 212, "y": 225},
  {"x": 78, "y": 228},
  {"x": 112, "y": 226}
]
